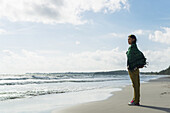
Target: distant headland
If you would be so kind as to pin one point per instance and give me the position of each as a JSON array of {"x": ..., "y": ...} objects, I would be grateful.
[{"x": 117, "y": 72}]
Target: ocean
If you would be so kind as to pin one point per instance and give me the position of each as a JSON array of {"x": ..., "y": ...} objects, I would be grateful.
[{"x": 42, "y": 93}]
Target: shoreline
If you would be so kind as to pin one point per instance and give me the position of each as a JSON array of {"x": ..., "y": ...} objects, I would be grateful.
[{"x": 152, "y": 101}]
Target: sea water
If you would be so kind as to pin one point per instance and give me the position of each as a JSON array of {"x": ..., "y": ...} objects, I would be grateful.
[{"x": 41, "y": 93}]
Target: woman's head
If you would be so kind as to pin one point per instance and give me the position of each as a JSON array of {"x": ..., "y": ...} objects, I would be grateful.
[{"x": 132, "y": 39}]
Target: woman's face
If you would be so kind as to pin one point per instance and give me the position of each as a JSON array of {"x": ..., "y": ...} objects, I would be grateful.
[{"x": 130, "y": 40}]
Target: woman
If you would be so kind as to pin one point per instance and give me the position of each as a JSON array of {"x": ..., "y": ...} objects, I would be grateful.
[{"x": 135, "y": 60}]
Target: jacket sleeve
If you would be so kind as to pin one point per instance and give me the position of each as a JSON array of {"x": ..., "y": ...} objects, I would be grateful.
[{"x": 130, "y": 55}]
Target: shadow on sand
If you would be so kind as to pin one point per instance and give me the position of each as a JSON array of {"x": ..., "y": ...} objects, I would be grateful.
[{"x": 157, "y": 108}]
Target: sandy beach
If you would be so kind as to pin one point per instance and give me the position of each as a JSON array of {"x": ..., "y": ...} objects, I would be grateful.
[{"x": 155, "y": 98}]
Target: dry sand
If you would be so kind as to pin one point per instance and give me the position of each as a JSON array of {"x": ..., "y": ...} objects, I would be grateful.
[{"x": 155, "y": 98}]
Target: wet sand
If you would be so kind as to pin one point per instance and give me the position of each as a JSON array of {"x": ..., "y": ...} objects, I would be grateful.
[{"x": 155, "y": 98}]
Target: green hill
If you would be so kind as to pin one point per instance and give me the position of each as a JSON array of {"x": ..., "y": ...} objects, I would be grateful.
[
  {"x": 163, "y": 72},
  {"x": 117, "y": 72}
]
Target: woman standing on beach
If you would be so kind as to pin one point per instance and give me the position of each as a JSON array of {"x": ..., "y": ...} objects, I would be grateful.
[{"x": 135, "y": 60}]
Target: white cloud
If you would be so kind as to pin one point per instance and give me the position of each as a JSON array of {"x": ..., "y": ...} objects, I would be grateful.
[
  {"x": 140, "y": 32},
  {"x": 56, "y": 11},
  {"x": 123, "y": 35},
  {"x": 162, "y": 36},
  {"x": 3, "y": 31},
  {"x": 158, "y": 60},
  {"x": 77, "y": 43},
  {"x": 117, "y": 35},
  {"x": 99, "y": 60},
  {"x": 29, "y": 61}
]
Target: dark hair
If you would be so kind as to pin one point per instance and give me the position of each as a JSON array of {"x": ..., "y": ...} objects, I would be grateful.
[{"x": 133, "y": 37}]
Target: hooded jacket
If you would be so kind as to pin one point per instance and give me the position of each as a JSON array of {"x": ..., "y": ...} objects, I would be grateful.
[{"x": 135, "y": 58}]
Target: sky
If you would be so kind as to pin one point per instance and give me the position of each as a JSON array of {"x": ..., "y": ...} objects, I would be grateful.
[{"x": 81, "y": 35}]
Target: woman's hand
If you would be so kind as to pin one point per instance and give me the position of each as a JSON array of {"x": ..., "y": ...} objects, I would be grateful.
[{"x": 135, "y": 68}]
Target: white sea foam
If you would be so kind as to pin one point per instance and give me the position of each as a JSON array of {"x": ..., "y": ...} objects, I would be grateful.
[{"x": 28, "y": 93}]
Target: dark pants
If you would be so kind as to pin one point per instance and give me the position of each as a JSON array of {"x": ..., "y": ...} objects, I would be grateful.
[{"x": 135, "y": 78}]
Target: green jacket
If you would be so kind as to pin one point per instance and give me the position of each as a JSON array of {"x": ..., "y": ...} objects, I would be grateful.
[{"x": 135, "y": 58}]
